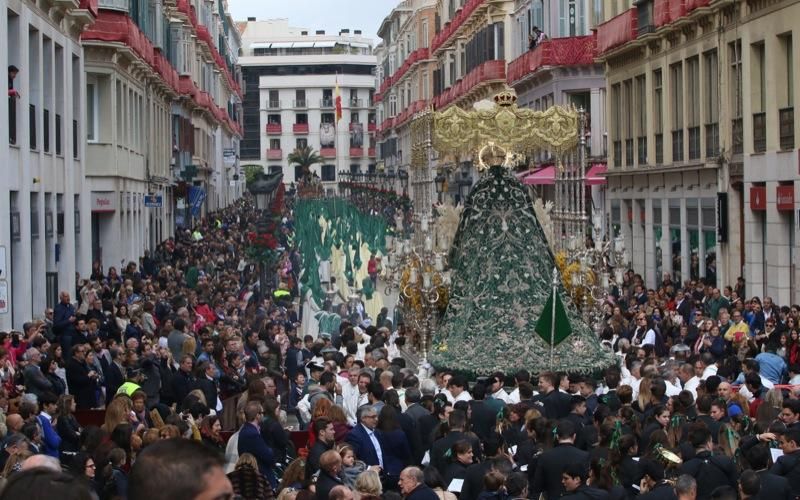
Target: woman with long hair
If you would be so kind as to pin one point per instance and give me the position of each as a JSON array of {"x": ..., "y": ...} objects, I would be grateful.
[
  {"x": 49, "y": 367},
  {"x": 117, "y": 412},
  {"x": 247, "y": 481},
  {"x": 601, "y": 476},
  {"x": 210, "y": 428},
  {"x": 339, "y": 420},
  {"x": 434, "y": 481},
  {"x": 394, "y": 443},
  {"x": 294, "y": 476},
  {"x": 67, "y": 425},
  {"x": 657, "y": 421},
  {"x": 622, "y": 464},
  {"x": 122, "y": 318},
  {"x": 273, "y": 432},
  {"x": 84, "y": 467}
]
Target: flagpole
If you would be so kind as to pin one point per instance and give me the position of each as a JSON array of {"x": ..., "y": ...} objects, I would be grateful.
[{"x": 553, "y": 318}]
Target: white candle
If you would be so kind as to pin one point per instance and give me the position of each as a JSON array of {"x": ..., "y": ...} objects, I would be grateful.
[
  {"x": 604, "y": 281},
  {"x": 428, "y": 243},
  {"x": 412, "y": 278},
  {"x": 407, "y": 247},
  {"x": 618, "y": 274},
  {"x": 438, "y": 263},
  {"x": 424, "y": 224},
  {"x": 426, "y": 280}
]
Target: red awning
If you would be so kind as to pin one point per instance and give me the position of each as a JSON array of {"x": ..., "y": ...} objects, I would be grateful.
[
  {"x": 545, "y": 175},
  {"x": 596, "y": 174},
  {"x": 521, "y": 175}
]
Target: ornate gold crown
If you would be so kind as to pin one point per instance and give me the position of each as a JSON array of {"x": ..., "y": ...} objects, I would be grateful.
[{"x": 505, "y": 98}]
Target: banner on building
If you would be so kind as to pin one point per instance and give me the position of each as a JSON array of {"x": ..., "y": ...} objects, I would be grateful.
[
  {"x": 153, "y": 201},
  {"x": 197, "y": 196},
  {"x": 3, "y": 297},
  {"x": 229, "y": 156},
  {"x": 104, "y": 201}
]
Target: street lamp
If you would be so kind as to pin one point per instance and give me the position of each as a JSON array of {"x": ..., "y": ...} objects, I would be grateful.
[
  {"x": 403, "y": 175},
  {"x": 441, "y": 185}
]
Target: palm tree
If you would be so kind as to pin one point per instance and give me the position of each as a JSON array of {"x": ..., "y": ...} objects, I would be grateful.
[{"x": 304, "y": 157}]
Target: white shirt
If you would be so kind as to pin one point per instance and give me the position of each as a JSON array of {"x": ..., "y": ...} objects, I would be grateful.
[
  {"x": 350, "y": 397},
  {"x": 691, "y": 385},
  {"x": 503, "y": 396},
  {"x": 709, "y": 371},
  {"x": 464, "y": 396},
  {"x": 744, "y": 391},
  {"x": 375, "y": 444},
  {"x": 513, "y": 398},
  {"x": 672, "y": 389}
]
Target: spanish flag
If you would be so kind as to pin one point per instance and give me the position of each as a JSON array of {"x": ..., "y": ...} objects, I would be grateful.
[{"x": 338, "y": 100}]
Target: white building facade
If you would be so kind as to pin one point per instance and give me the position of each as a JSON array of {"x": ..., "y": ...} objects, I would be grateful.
[
  {"x": 290, "y": 77},
  {"x": 45, "y": 233},
  {"x": 162, "y": 101}
]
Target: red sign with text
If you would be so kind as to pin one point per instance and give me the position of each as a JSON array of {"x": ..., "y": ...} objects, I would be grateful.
[
  {"x": 758, "y": 198},
  {"x": 785, "y": 196}
]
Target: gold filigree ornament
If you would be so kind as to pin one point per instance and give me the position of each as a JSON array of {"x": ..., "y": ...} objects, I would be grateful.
[{"x": 517, "y": 131}]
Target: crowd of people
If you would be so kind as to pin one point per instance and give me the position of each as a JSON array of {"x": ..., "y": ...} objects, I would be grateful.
[{"x": 207, "y": 390}]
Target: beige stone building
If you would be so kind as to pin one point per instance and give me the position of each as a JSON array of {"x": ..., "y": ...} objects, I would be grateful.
[{"x": 702, "y": 154}]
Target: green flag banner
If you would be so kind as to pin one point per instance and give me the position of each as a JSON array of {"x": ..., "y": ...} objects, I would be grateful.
[{"x": 544, "y": 325}]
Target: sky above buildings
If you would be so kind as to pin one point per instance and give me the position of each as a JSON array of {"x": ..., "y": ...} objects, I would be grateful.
[{"x": 328, "y": 15}]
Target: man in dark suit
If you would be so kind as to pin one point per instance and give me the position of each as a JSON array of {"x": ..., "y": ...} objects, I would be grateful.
[
  {"x": 710, "y": 471},
  {"x": 183, "y": 382},
  {"x": 557, "y": 404},
  {"x": 416, "y": 414},
  {"x": 326, "y": 439},
  {"x": 205, "y": 382},
  {"x": 64, "y": 317},
  {"x": 547, "y": 478},
  {"x": 250, "y": 441},
  {"x": 81, "y": 379},
  {"x": 483, "y": 416},
  {"x": 363, "y": 437},
  {"x": 788, "y": 465},
  {"x": 413, "y": 487},
  {"x": 773, "y": 487},
  {"x": 495, "y": 459},
  {"x": 330, "y": 464},
  {"x": 457, "y": 423},
  {"x": 684, "y": 307}
]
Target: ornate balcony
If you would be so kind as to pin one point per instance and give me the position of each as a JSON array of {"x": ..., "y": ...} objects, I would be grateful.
[
  {"x": 617, "y": 31},
  {"x": 327, "y": 152},
  {"x": 573, "y": 51},
  {"x": 413, "y": 58},
  {"x": 488, "y": 72},
  {"x": 274, "y": 129},
  {"x": 453, "y": 26},
  {"x": 274, "y": 154},
  {"x": 300, "y": 128},
  {"x": 356, "y": 152}
]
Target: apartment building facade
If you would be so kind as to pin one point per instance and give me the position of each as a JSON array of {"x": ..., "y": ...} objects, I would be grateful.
[
  {"x": 404, "y": 78},
  {"x": 291, "y": 76},
  {"x": 44, "y": 239},
  {"x": 702, "y": 155},
  {"x": 561, "y": 70},
  {"x": 163, "y": 100}
]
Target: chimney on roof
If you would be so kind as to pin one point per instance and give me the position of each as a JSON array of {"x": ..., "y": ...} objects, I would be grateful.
[
  {"x": 251, "y": 19},
  {"x": 356, "y": 32},
  {"x": 320, "y": 32},
  {"x": 304, "y": 33}
]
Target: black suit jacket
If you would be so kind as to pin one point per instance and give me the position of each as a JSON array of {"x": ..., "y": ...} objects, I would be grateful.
[
  {"x": 325, "y": 483},
  {"x": 774, "y": 487},
  {"x": 440, "y": 447},
  {"x": 80, "y": 385},
  {"x": 788, "y": 466},
  {"x": 550, "y": 466},
  {"x": 483, "y": 419},
  {"x": 662, "y": 491},
  {"x": 710, "y": 472},
  {"x": 473, "y": 480},
  {"x": 557, "y": 404},
  {"x": 209, "y": 389}
]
